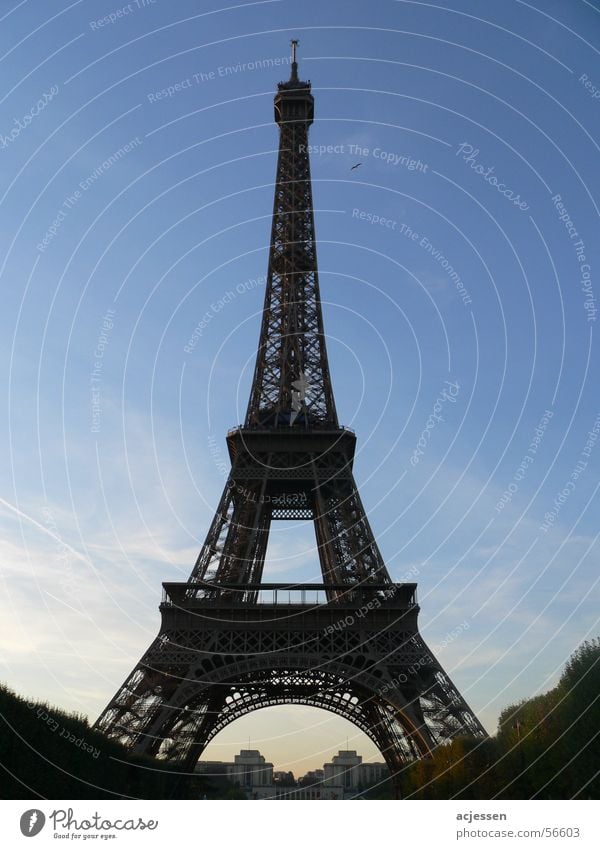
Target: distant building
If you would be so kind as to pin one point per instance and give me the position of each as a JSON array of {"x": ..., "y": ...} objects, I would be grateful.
[
  {"x": 344, "y": 778},
  {"x": 313, "y": 791},
  {"x": 347, "y": 770},
  {"x": 213, "y": 768},
  {"x": 249, "y": 771},
  {"x": 370, "y": 774},
  {"x": 315, "y": 776},
  {"x": 284, "y": 779}
]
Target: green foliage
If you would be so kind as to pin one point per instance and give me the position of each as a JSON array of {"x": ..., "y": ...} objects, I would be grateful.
[
  {"x": 382, "y": 790},
  {"x": 213, "y": 787},
  {"x": 547, "y": 747},
  {"x": 49, "y": 754}
]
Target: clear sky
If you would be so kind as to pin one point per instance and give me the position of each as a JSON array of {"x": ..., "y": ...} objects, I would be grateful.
[{"x": 138, "y": 154}]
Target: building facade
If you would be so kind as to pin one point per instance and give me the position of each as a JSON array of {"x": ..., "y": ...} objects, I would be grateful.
[
  {"x": 347, "y": 770},
  {"x": 249, "y": 771},
  {"x": 345, "y": 777}
]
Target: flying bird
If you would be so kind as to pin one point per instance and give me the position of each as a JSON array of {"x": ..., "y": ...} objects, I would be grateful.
[{"x": 354, "y": 167}]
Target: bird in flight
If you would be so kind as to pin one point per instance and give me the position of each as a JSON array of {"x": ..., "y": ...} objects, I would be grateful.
[{"x": 354, "y": 167}]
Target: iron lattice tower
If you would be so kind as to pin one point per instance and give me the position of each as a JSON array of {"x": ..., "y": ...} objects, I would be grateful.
[{"x": 229, "y": 643}]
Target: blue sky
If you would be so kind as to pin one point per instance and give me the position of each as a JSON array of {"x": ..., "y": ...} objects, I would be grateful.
[{"x": 138, "y": 159}]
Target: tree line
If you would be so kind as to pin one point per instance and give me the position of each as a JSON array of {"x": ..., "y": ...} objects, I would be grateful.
[
  {"x": 49, "y": 754},
  {"x": 546, "y": 747}
]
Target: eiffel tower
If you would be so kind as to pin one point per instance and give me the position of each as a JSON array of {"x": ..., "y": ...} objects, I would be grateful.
[{"x": 229, "y": 643}]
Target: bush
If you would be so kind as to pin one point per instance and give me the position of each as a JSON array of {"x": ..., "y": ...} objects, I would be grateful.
[
  {"x": 49, "y": 754},
  {"x": 547, "y": 747}
]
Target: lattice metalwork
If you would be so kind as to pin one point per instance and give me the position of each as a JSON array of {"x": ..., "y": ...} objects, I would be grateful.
[
  {"x": 222, "y": 650},
  {"x": 292, "y": 385},
  {"x": 290, "y": 481},
  {"x": 374, "y": 670}
]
